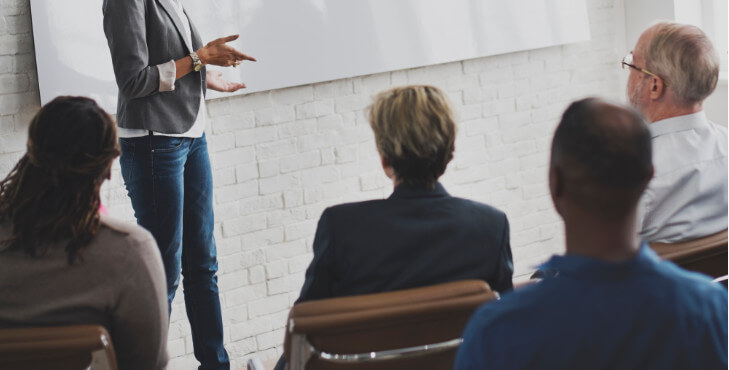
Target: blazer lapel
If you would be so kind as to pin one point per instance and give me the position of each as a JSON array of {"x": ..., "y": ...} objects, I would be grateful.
[{"x": 169, "y": 8}]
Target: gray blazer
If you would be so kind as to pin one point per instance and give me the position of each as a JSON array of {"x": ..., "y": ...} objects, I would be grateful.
[{"x": 142, "y": 34}]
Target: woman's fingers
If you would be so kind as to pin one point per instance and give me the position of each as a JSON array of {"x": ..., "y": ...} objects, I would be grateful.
[
  {"x": 241, "y": 56},
  {"x": 225, "y": 39}
]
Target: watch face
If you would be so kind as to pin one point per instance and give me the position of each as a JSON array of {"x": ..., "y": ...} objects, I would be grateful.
[{"x": 196, "y": 64}]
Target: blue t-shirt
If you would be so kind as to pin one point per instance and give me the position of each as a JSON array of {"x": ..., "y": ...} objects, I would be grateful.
[{"x": 644, "y": 313}]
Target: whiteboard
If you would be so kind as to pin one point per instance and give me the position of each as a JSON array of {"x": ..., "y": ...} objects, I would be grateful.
[{"x": 301, "y": 42}]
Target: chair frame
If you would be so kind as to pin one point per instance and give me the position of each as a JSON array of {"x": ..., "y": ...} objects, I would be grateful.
[
  {"x": 369, "y": 312},
  {"x": 698, "y": 254},
  {"x": 300, "y": 340},
  {"x": 64, "y": 346}
]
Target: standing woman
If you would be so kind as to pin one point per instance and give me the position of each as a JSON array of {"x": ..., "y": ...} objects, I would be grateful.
[
  {"x": 159, "y": 63},
  {"x": 61, "y": 262}
]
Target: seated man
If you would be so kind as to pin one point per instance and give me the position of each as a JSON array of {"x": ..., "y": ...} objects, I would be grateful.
[
  {"x": 673, "y": 68},
  {"x": 420, "y": 235},
  {"x": 613, "y": 303},
  {"x": 61, "y": 262}
]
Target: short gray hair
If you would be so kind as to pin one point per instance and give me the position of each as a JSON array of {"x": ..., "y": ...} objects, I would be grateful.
[{"x": 684, "y": 56}]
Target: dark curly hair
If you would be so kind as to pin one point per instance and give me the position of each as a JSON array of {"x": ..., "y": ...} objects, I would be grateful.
[{"x": 52, "y": 193}]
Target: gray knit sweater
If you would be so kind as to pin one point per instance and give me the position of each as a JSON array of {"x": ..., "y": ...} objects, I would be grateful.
[{"x": 119, "y": 283}]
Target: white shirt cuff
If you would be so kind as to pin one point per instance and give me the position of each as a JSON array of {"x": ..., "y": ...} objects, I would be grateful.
[{"x": 167, "y": 74}]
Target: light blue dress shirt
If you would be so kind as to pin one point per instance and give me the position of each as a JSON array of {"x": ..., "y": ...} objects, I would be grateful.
[{"x": 687, "y": 198}]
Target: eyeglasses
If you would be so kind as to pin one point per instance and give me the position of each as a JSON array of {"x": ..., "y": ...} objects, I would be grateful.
[{"x": 628, "y": 63}]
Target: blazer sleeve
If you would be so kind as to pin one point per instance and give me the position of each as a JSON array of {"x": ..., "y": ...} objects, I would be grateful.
[
  {"x": 126, "y": 33},
  {"x": 505, "y": 267},
  {"x": 320, "y": 276}
]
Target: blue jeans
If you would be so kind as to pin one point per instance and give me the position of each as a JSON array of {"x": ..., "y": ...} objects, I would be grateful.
[{"x": 170, "y": 183}]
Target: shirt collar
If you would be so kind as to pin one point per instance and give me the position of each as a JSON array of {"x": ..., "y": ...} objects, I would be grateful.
[
  {"x": 405, "y": 191},
  {"x": 595, "y": 269},
  {"x": 678, "y": 123}
]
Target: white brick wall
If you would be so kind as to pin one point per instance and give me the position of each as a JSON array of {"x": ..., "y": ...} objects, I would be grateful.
[{"x": 280, "y": 157}]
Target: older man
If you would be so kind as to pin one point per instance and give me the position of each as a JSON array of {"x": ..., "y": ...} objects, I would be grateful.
[
  {"x": 614, "y": 304},
  {"x": 673, "y": 68}
]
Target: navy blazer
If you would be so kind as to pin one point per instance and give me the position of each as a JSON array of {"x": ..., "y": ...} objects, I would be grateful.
[{"x": 416, "y": 237}]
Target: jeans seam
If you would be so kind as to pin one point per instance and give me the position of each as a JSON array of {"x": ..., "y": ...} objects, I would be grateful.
[{"x": 154, "y": 187}]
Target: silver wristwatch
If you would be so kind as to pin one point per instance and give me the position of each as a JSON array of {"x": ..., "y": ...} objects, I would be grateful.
[{"x": 196, "y": 63}]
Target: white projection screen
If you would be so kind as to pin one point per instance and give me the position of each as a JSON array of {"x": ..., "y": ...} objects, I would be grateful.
[{"x": 300, "y": 42}]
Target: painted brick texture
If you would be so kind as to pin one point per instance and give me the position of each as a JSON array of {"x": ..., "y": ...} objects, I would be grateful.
[{"x": 281, "y": 157}]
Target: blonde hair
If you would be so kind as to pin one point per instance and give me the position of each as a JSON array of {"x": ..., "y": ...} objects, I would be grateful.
[
  {"x": 415, "y": 132},
  {"x": 685, "y": 57}
]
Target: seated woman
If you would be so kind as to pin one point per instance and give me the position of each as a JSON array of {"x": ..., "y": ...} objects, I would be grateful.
[
  {"x": 61, "y": 263},
  {"x": 420, "y": 235}
]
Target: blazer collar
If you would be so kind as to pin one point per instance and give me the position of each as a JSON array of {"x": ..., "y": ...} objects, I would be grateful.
[
  {"x": 172, "y": 13},
  {"x": 403, "y": 191}
]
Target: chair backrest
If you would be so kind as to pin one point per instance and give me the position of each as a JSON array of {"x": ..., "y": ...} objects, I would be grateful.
[
  {"x": 707, "y": 255},
  {"x": 408, "y": 329},
  {"x": 60, "y": 347}
]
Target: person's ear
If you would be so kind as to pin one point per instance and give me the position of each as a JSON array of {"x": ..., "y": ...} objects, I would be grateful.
[{"x": 657, "y": 88}]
